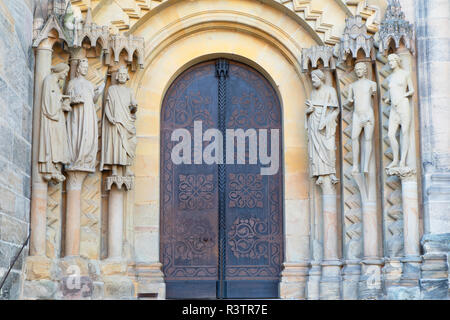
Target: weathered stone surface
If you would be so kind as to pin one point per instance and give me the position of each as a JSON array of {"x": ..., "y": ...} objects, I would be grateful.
[
  {"x": 11, "y": 288},
  {"x": 38, "y": 268},
  {"x": 12, "y": 230},
  {"x": 403, "y": 293},
  {"x": 434, "y": 289},
  {"x": 111, "y": 267},
  {"x": 8, "y": 253},
  {"x": 16, "y": 98},
  {"x": 118, "y": 287},
  {"x": 39, "y": 289}
]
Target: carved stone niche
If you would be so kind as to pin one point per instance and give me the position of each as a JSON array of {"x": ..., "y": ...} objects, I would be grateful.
[
  {"x": 119, "y": 181},
  {"x": 354, "y": 39},
  {"x": 394, "y": 29}
]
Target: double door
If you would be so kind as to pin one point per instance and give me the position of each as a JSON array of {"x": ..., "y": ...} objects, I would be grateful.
[{"x": 221, "y": 222}]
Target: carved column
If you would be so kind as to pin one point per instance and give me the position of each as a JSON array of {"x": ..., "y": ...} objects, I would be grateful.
[
  {"x": 116, "y": 186},
  {"x": 74, "y": 184},
  {"x": 396, "y": 33},
  {"x": 331, "y": 264},
  {"x": 39, "y": 186}
]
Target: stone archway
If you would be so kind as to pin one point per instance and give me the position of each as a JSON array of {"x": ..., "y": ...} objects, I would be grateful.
[{"x": 237, "y": 33}]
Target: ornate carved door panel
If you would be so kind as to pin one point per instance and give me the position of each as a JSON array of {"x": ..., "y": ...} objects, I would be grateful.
[
  {"x": 254, "y": 233},
  {"x": 221, "y": 225},
  {"x": 189, "y": 197}
]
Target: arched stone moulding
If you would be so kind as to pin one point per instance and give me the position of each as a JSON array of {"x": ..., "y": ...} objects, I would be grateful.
[
  {"x": 251, "y": 33},
  {"x": 323, "y": 17}
]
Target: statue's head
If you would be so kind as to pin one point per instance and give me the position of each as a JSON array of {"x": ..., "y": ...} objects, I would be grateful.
[
  {"x": 361, "y": 69},
  {"x": 394, "y": 61},
  {"x": 317, "y": 78},
  {"x": 122, "y": 75},
  {"x": 61, "y": 70},
  {"x": 83, "y": 67}
]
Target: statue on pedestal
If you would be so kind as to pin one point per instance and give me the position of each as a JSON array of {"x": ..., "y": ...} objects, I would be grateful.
[
  {"x": 360, "y": 95},
  {"x": 321, "y": 112},
  {"x": 118, "y": 127},
  {"x": 401, "y": 88},
  {"x": 53, "y": 145},
  {"x": 82, "y": 122}
]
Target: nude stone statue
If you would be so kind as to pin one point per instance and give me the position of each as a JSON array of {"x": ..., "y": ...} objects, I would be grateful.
[
  {"x": 53, "y": 145},
  {"x": 82, "y": 126},
  {"x": 360, "y": 95},
  {"x": 401, "y": 88},
  {"x": 118, "y": 130},
  {"x": 321, "y": 112}
]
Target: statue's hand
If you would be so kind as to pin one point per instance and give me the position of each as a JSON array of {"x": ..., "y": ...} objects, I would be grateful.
[
  {"x": 133, "y": 109},
  {"x": 100, "y": 88}
]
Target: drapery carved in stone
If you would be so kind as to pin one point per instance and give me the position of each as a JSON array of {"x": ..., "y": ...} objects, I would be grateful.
[
  {"x": 322, "y": 110},
  {"x": 53, "y": 148},
  {"x": 82, "y": 121},
  {"x": 118, "y": 127}
]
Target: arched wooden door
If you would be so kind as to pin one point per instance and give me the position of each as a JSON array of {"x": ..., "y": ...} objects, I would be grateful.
[{"x": 221, "y": 224}]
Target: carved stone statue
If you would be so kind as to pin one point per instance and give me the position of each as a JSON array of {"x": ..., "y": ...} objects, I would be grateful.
[
  {"x": 400, "y": 89},
  {"x": 53, "y": 146},
  {"x": 321, "y": 112},
  {"x": 82, "y": 126},
  {"x": 118, "y": 130},
  {"x": 360, "y": 95}
]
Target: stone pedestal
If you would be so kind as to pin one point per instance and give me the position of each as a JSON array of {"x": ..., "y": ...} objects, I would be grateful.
[
  {"x": 392, "y": 272},
  {"x": 293, "y": 280},
  {"x": 150, "y": 281},
  {"x": 117, "y": 284},
  {"x": 69, "y": 278},
  {"x": 434, "y": 282},
  {"x": 370, "y": 283},
  {"x": 330, "y": 282},
  {"x": 73, "y": 212},
  {"x": 350, "y": 279},
  {"x": 315, "y": 273}
]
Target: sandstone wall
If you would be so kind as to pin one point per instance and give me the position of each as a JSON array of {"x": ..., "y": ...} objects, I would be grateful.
[{"x": 16, "y": 100}]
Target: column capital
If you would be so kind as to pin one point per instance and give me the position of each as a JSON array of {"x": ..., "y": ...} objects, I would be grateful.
[{"x": 75, "y": 180}]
